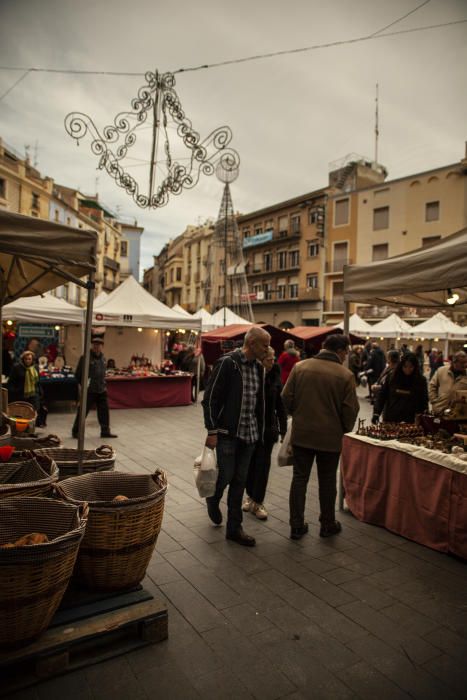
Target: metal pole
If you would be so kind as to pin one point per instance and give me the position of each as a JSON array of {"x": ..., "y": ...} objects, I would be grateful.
[
  {"x": 341, "y": 492},
  {"x": 85, "y": 375},
  {"x": 225, "y": 256}
]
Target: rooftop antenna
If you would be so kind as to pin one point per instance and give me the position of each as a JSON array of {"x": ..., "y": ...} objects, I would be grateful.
[
  {"x": 36, "y": 154},
  {"x": 376, "y": 122}
]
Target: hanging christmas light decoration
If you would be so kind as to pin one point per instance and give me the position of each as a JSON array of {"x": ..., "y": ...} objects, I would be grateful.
[{"x": 156, "y": 97}]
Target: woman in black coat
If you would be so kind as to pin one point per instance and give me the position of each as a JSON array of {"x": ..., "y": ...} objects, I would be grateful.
[
  {"x": 404, "y": 395},
  {"x": 275, "y": 424},
  {"x": 23, "y": 382}
]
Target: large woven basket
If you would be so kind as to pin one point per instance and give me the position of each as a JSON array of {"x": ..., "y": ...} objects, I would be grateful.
[
  {"x": 21, "y": 417},
  {"x": 35, "y": 442},
  {"x": 100, "y": 459},
  {"x": 120, "y": 536},
  {"x": 33, "y": 579},
  {"x": 27, "y": 474}
]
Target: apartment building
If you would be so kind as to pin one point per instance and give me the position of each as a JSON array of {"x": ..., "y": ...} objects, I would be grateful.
[
  {"x": 196, "y": 262},
  {"x": 173, "y": 269},
  {"x": 130, "y": 248},
  {"x": 282, "y": 246},
  {"x": 109, "y": 243},
  {"x": 22, "y": 188}
]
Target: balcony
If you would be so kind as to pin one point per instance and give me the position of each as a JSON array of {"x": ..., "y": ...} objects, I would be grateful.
[
  {"x": 309, "y": 294},
  {"x": 109, "y": 285},
  {"x": 111, "y": 264},
  {"x": 337, "y": 266},
  {"x": 271, "y": 269},
  {"x": 334, "y": 306}
]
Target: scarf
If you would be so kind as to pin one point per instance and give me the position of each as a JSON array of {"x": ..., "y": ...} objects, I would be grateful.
[{"x": 30, "y": 380}]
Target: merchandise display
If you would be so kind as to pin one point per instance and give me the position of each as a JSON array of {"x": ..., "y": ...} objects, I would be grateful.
[
  {"x": 413, "y": 434},
  {"x": 141, "y": 366}
]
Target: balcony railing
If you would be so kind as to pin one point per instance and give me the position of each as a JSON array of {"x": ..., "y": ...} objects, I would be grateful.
[
  {"x": 334, "y": 305},
  {"x": 261, "y": 269},
  {"x": 337, "y": 265},
  {"x": 111, "y": 263},
  {"x": 309, "y": 294}
]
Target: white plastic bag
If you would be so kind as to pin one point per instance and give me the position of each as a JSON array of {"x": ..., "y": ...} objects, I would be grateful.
[
  {"x": 284, "y": 456},
  {"x": 206, "y": 472}
]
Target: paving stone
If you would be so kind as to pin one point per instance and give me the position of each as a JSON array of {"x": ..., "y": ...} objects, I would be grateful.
[
  {"x": 371, "y": 595},
  {"x": 71, "y": 686},
  {"x": 211, "y": 587},
  {"x": 451, "y": 672},
  {"x": 168, "y": 681},
  {"x": 221, "y": 684},
  {"x": 449, "y": 642},
  {"x": 276, "y": 581},
  {"x": 246, "y": 619},
  {"x": 341, "y": 575},
  {"x": 162, "y": 572},
  {"x": 232, "y": 647},
  {"x": 367, "y": 682},
  {"x": 409, "y": 619},
  {"x": 193, "y": 606}
]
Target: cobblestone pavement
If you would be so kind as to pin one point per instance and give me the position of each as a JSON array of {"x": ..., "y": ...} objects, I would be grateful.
[{"x": 363, "y": 615}]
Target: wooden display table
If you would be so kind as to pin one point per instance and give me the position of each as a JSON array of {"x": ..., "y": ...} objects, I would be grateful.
[
  {"x": 149, "y": 392},
  {"x": 414, "y": 492}
]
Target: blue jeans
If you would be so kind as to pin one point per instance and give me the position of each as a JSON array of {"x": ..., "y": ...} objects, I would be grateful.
[{"x": 233, "y": 459}]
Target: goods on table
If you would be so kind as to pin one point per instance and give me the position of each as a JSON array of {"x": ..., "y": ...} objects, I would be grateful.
[
  {"x": 440, "y": 441},
  {"x": 143, "y": 367},
  {"x": 33, "y": 578}
]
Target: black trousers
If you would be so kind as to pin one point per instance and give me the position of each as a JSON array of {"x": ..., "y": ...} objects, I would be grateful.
[
  {"x": 258, "y": 471},
  {"x": 102, "y": 405},
  {"x": 327, "y": 463}
]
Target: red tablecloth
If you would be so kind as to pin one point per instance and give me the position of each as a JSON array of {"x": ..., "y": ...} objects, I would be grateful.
[
  {"x": 422, "y": 501},
  {"x": 148, "y": 392}
]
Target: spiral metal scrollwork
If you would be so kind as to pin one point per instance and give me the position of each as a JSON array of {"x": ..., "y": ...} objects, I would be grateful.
[{"x": 207, "y": 156}]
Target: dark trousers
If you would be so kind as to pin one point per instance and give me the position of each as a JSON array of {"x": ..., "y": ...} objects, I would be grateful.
[
  {"x": 102, "y": 406},
  {"x": 327, "y": 462},
  {"x": 258, "y": 471},
  {"x": 233, "y": 459}
]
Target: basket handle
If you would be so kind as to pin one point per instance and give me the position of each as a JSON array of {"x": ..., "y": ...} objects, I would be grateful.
[
  {"x": 57, "y": 489},
  {"x": 83, "y": 510},
  {"x": 104, "y": 451},
  {"x": 54, "y": 440}
]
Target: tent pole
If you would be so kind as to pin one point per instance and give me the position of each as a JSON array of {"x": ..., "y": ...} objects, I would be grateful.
[
  {"x": 446, "y": 348},
  {"x": 341, "y": 483},
  {"x": 85, "y": 376}
]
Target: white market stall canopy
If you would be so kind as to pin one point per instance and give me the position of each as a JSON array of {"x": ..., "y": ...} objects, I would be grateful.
[
  {"x": 180, "y": 310},
  {"x": 423, "y": 277},
  {"x": 392, "y": 327},
  {"x": 43, "y": 309},
  {"x": 205, "y": 318},
  {"x": 230, "y": 318},
  {"x": 37, "y": 255},
  {"x": 439, "y": 326},
  {"x": 100, "y": 298},
  {"x": 131, "y": 305},
  {"x": 357, "y": 325}
]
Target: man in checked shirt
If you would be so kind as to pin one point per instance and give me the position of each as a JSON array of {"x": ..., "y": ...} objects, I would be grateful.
[{"x": 233, "y": 406}]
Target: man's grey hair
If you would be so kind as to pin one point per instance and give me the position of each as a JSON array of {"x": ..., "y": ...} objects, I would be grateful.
[
  {"x": 459, "y": 355},
  {"x": 254, "y": 333}
]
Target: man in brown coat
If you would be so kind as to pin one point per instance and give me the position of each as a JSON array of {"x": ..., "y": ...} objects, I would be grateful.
[{"x": 320, "y": 395}]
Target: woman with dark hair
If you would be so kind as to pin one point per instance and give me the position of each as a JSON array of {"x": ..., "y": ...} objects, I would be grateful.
[{"x": 404, "y": 394}]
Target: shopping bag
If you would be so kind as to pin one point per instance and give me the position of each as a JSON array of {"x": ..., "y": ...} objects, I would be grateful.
[
  {"x": 206, "y": 471},
  {"x": 284, "y": 456}
]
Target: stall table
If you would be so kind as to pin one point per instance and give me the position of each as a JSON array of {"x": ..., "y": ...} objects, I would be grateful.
[
  {"x": 59, "y": 388},
  {"x": 418, "y": 493},
  {"x": 149, "y": 392}
]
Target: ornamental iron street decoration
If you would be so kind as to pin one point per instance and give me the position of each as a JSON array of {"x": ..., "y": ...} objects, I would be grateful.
[{"x": 159, "y": 97}]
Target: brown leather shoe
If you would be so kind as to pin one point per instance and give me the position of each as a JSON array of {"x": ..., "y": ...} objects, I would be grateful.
[
  {"x": 241, "y": 538},
  {"x": 330, "y": 529}
]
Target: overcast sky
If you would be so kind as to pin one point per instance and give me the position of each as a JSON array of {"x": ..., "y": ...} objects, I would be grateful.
[{"x": 290, "y": 115}]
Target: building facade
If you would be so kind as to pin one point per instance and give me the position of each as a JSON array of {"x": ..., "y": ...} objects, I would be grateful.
[
  {"x": 130, "y": 249},
  {"x": 22, "y": 188}
]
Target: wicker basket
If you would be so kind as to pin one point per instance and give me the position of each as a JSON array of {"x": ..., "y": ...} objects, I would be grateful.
[
  {"x": 5, "y": 435},
  {"x": 33, "y": 579},
  {"x": 21, "y": 417},
  {"x": 27, "y": 474},
  {"x": 35, "y": 442},
  {"x": 120, "y": 536},
  {"x": 100, "y": 459}
]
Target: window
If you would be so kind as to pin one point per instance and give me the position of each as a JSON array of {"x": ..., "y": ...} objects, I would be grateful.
[
  {"x": 2, "y": 188},
  {"x": 312, "y": 249},
  {"x": 340, "y": 256},
  {"x": 267, "y": 289},
  {"x": 380, "y": 218},
  {"x": 246, "y": 232},
  {"x": 282, "y": 260},
  {"x": 56, "y": 215},
  {"x": 295, "y": 223},
  {"x": 429, "y": 240},
  {"x": 281, "y": 289},
  {"x": 124, "y": 249},
  {"x": 312, "y": 281},
  {"x": 341, "y": 212},
  {"x": 380, "y": 252},
  {"x": 258, "y": 230},
  {"x": 338, "y": 296},
  {"x": 283, "y": 224},
  {"x": 432, "y": 211},
  {"x": 312, "y": 216},
  {"x": 294, "y": 258},
  {"x": 257, "y": 262},
  {"x": 68, "y": 221},
  {"x": 267, "y": 259},
  {"x": 179, "y": 274},
  {"x": 35, "y": 201},
  {"x": 171, "y": 275},
  {"x": 293, "y": 291}
]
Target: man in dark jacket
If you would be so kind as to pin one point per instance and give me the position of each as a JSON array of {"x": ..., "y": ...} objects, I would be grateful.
[
  {"x": 233, "y": 406},
  {"x": 97, "y": 389}
]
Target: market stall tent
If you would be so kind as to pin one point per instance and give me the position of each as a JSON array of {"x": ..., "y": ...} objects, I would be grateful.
[
  {"x": 100, "y": 298},
  {"x": 391, "y": 327},
  {"x": 206, "y": 319},
  {"x": 180, "y": 310},
  {"x": 220, "y": 340},
  {"x": 226, "y": 317},
  {"x": 439, "y": 326},
  {"x": 312, "y": 337},
  {"x": 43, "y": 309},
  {"x": 357, "y": 325},
  {"x": 36, "y": 256}
]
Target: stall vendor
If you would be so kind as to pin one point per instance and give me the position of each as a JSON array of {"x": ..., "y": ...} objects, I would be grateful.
[{"x": 446, "y": 381}]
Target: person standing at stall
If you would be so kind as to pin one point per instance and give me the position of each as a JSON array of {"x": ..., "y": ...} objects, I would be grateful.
[
  {"x": 447, "y": 380},
  {"x": 322, "y": 400},
  {"x": 404, "y": 394},
  {"x": 275, "y": 424},
  {"x": 97, "y": 389}
]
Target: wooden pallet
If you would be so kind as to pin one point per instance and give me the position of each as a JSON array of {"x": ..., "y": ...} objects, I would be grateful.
[{"x": 70, "y": 646}]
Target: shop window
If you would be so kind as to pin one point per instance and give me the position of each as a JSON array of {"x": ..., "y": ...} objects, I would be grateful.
[
  {"x": 341, "y": 212},
  {"x": 380, "y": 218},
  {"x": 380, "y": 252},
  {"x": 432, "y": 211}
]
